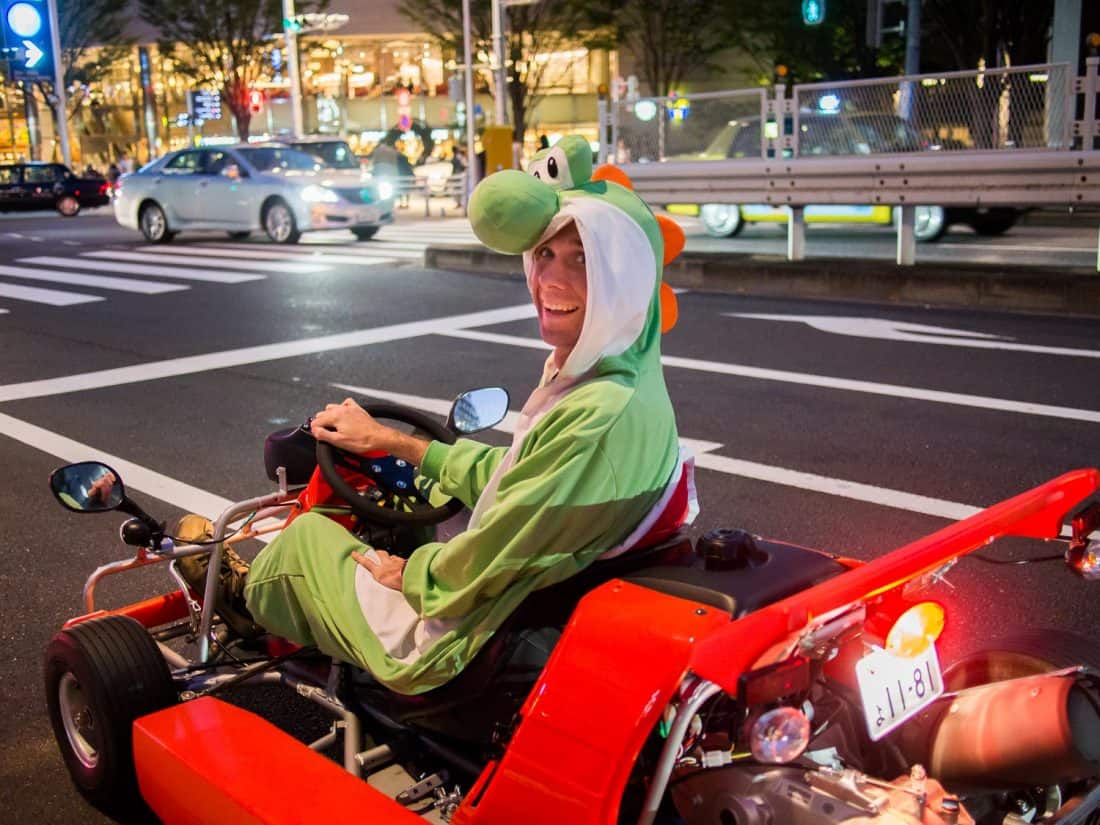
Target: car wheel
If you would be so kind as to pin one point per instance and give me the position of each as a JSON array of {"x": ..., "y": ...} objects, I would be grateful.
[
  {"x": 721, "y": 220},
  {"x": 154, "y": 224},
  {"x": 279, "y": 223},
  {"x": 239, "y": 236},
  {"x": 101, "y": 675},
  {"x": 995, "y": 221},
  {"x": 931, "y": 223},
  {"x": 364, "y": 233},
  {"x": 68, "y": 206}
]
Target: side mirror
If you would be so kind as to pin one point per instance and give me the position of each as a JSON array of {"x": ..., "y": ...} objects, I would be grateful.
[
  {"x": 87, "y": 487},
  {"x": 476, "y": 410}
]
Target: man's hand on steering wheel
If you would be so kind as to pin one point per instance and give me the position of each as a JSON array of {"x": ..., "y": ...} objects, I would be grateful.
[{"x": 352, "y": 429}]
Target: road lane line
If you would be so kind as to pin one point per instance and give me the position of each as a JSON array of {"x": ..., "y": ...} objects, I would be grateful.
[
  {"x": 225, "y": 263},
  {"x": 824, "y": 381},
  {"x": 103, "y": 282},
  {"x": 997, "y": 247},
  {"x": 887, "y": 330},
  {"x": 184, "y": 274},
  {"x": 260, "y": 257},
  {"x": 53, "y": 297},
  {"x": 153, "y": 370}
]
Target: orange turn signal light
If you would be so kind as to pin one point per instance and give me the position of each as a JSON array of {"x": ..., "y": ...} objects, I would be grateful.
[{"x": 916, "y": 629}]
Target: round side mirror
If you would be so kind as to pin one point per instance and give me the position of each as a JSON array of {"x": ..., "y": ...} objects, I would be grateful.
[
  {"x": 87, "y": 487},
  {"x": 477, "y": 410}
]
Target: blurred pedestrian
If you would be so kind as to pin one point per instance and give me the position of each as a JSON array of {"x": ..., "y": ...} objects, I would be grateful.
[
  {"x": 113, "y": 173},
  {"x": 125, "y": 163}
]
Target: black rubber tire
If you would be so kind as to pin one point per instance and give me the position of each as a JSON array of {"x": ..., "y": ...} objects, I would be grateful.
[
  {"x": 293, "y": 233},
  {"x": 154, "y": 231},
  {"x": 1021, "y": 653},
  {"x": 364, "y": 233},
  {"x": 993, "y": 222},
  {"x": 120, "y": 676},
  {"x": 68, "y": 206},
  {"x": 239, "y": 236}
]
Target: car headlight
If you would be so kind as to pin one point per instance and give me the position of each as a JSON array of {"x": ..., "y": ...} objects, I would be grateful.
[{"x": 319, "y": 194}]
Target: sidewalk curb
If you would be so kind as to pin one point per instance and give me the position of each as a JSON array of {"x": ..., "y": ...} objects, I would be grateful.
[{"x": 970, "y": 286}]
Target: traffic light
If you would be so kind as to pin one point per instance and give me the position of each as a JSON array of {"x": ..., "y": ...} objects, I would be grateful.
[
  {"x": 28, "y": 39},
  {"x": 255, "y": 101},
  {"x": 813, "y": 12}
]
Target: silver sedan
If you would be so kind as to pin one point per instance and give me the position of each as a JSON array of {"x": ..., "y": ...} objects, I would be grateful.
[{"x": 241, "y": 189}]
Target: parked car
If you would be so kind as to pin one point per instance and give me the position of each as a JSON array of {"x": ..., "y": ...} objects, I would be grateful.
[
  {"x": 25, "y": 186},
  {"x": 835, "y": 134},
  {"x": 242, "y": 189}
]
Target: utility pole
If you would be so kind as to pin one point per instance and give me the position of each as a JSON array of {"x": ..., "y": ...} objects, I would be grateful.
[
  {"x": 290, "y": 31},
  {"x": 60, "y": 103},
  {"x": 912, "y": 37},
  {"x": 467, "y": 56}
]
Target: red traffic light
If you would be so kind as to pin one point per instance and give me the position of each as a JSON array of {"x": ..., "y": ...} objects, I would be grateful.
[{"x": 255, "y": 101}]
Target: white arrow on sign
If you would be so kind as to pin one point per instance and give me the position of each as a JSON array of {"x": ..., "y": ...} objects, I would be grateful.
[
  {"x": 34, "y": 54},
  {"x": 887, "y": 330}
]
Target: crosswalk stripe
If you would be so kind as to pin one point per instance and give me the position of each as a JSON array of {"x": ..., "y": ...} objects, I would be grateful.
[
  {"x": 101, "y": 281},
  {"x": 53, "y": 297},
  {"x": 320, "y": 251},
  {"x": 3, "y": 311},
  {"x": 227, "y": 264},
  {"x": 210, "y": 275},
  {"x": 321, "y": 257}
]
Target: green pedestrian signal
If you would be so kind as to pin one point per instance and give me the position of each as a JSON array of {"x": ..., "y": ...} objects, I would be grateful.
[
  {"x": 813, "y": 12},
  {"x": 292, "y": 24}
]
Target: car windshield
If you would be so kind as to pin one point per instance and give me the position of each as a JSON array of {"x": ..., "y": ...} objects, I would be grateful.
[
  {"x": 275, "y": 159},
  {"x": 333, "y": 154}
]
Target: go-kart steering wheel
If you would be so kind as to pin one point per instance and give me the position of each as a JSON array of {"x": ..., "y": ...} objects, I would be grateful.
[{"x": 393, "y": 477}]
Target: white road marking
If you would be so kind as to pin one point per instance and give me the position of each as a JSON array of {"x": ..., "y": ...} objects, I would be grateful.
[
  {"x": 442, "y": 407},
  {"x": 870, "y": 387},
  {"x": 888, "y": 330},
  {"x": 103, "y": 282},
  {"x": 171, "y": 367},
  {"x": 222, "y": 262},
  {"x": 997, "y": 247},
  {"x": 260, "y": 257},
  {"x": 53, "y": 297},
  {"x": 181, "y": 272}
]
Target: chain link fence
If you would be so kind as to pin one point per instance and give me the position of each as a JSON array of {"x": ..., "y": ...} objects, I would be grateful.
[
  {"x": 1025, "y": 107},
  {"x": 998, "y": 109},
  {"x": 688, "y": 126}
]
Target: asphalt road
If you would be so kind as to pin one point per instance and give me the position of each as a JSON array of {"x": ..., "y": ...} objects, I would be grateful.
[{"x": 183, "y": 385}]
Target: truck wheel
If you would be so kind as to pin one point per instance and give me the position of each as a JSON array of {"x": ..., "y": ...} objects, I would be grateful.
[
  {"x": 931, "y": 223},
  {"x": 721, "y": 220},
  {"x": 994, "y": 221},
  {"x": 101, "y": 675}
]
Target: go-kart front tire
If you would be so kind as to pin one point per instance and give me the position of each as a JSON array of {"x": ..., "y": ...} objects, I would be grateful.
[{"x": 101, "y": 675}]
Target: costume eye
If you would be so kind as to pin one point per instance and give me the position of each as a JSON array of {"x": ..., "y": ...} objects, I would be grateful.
[{"x": 552, "y": 166}]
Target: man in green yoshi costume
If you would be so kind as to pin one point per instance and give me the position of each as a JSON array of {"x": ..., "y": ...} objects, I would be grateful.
[{"x": 593, "y": 465}]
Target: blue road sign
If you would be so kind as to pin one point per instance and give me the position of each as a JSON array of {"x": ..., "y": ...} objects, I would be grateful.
[{"x": 28, "y": 47}]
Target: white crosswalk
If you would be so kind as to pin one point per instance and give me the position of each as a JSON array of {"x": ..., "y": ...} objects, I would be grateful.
[{"x": 215, "y": 262}]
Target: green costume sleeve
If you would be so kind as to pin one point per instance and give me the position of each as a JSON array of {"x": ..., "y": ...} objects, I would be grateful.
[
  {"x": 557, "y": 508},
  {"x": 463, "y": 468}
]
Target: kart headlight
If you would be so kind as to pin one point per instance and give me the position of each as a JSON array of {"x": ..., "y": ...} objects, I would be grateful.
[
  {"x": 385, "y": 190},
  {"x": 319, "y": 194}
]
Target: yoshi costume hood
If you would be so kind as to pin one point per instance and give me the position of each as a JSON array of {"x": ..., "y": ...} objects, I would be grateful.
[{"x": 592, "y": 466}]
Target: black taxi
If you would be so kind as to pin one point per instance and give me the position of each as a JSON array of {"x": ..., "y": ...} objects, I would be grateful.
[{"x": 39, "y": 185}]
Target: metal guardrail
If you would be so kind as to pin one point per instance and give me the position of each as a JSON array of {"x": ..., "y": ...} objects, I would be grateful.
[{"x": 1006, "y": 137}]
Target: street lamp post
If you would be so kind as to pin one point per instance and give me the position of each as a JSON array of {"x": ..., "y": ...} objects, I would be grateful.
[
  {"x": 467, "y": 56},
  {"x": 501, "y": 73}
]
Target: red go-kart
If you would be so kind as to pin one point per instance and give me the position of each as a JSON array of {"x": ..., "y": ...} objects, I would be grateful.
[{"x": 740, "y": 682}]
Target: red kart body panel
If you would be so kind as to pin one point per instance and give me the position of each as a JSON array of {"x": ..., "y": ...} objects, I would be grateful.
[
  {"x": 623, "y": 655},
  {"x": 205, "y": 762}
]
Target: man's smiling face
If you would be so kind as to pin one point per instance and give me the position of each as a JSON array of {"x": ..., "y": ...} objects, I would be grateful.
[{"x": 559, "y": 286}]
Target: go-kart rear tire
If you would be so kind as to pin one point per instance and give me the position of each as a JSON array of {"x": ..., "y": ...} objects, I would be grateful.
[
  {"x": 364, "y": 233},
  {"x": 1026, "y": 652},
  {"x": 101, "y": 675}
]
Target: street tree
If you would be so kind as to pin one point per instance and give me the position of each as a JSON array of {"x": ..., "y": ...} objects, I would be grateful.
[
  {"x": 668, "y": 40},
  {"x": 219, "y": 43},
  {"x": 532, "y": 33}
]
